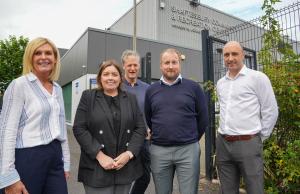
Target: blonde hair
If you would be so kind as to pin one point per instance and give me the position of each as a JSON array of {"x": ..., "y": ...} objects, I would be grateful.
[
  {"x": 29, "y": 52},
  {"x": 170, "y": 50}
]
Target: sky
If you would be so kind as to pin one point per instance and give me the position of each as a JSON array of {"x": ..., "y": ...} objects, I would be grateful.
[{"x": 64, "y": 21}]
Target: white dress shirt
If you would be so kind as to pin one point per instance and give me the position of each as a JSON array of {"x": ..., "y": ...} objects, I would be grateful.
[
  {"x": 247, "y": 104},
  {"x": 178, "y": 79},
  {"x": 30, "y": 116}
]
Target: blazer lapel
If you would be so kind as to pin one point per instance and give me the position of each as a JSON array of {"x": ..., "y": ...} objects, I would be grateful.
[{"x": 100, "y": 98}]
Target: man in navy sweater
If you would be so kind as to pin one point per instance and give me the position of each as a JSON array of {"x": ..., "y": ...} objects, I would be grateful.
[
  {"x": 176, "y": 113},
  {"x": 131, "y": 65}
]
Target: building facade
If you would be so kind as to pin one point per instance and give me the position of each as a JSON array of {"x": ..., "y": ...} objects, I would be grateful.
[
  {"x": 81, "y": 62},
  {"x": 161, "y": 24},
  {"x": 176, "y": 22}
]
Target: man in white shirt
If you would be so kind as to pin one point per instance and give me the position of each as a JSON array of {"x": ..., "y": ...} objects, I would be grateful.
[{"x": 248, "y": 113}]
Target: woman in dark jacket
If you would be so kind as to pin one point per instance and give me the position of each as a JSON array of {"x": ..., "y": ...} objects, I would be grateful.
[{"x": 110, "y": 131}]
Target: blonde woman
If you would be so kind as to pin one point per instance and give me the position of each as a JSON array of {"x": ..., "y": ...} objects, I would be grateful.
[{"x": 34, "y": 151}]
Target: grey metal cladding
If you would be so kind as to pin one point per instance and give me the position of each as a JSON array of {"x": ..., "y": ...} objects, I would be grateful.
[
  {"x": 73, "y": 61},
  {"x": 115, "y": 45},
  {"x": 177, "y": 22},
  {"x": 146, "y": 20},
  {"x": 96, "y": 50},
  {"x": 96, "y": 46}
]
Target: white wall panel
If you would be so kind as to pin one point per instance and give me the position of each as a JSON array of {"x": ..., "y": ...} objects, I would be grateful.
[{"x": 78, "y": 86}]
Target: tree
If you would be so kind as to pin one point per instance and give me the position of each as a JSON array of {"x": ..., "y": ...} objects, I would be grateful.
[{"x": 11, "y": 55}]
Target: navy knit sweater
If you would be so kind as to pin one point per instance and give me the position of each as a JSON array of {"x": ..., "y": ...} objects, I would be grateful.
[{"x": 177, "y": 114}]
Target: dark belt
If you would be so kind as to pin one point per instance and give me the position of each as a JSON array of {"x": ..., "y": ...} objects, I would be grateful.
[{"x": 238, "y": 137}]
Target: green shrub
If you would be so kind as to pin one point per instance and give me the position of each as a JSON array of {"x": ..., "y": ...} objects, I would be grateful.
[
  {"x": 282, "y": 167},
  {"x": 282, "y": 65}
]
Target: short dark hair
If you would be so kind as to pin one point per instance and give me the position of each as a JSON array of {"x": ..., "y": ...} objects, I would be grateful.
[{"x": 103, "y": 66}]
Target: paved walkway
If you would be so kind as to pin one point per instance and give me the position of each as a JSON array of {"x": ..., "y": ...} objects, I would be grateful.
[{"x": 205, "y": 187}]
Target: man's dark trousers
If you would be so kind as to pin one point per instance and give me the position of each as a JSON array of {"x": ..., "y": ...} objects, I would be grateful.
[{"x": 142, "y": 183}]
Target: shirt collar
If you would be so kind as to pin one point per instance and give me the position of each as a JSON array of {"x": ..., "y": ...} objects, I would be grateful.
[
  {"x": 178, "y": 79},
  {"x": 32, "y": 77},
  {"x": 243, "y": 71},
  {"x": 127, "y": 83}
]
